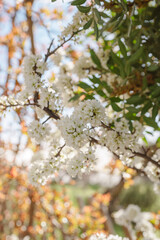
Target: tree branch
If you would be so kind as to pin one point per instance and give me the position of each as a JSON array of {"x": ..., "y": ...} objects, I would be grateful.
[{"x": 49, "y": 53}]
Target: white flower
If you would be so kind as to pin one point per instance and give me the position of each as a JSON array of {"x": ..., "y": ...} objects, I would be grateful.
[
  {"x": 38, "y": 131},
  {"x": 116, "y": 237},
  {"x": 49, "y": 97},
  {"x": 132, "y": 213},
  {"x": 153, "y": 172},
  {"x": 42, "y": 169},
  {"x": 91, "y": 112},
  {"x": 102, "y": 236},
  {"x": 79, "y": 20},
  {"x": 119, "y": 217},
  {"x": 33, "y": 69},
  {"x": 98, "y": 236},
  {"x": 135, "y": 221},
  {"x": 73, "y": 131},
  {"x": 81, "y": 163}
]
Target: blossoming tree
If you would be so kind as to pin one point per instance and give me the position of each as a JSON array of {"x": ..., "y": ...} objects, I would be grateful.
[{"x": 112, "y": 86}]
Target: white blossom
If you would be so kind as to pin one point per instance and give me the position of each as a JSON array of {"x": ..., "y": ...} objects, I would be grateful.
[
  {"x": 33, "y": 68},
  {"x": 136, "y": 221},
  {"x": 102, "y": 236},
  {"x": 37, "y": 131},
  {"x": 50, "y": 98}
]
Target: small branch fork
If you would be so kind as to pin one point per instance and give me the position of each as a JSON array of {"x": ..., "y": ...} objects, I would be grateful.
[
  {"x": 46, "y": 109},
  {"x": 49, "y": 52},
  {"x": 50, "y": 113},
  {"x": 60, "y": 149},
  {"x": 144, "y": 156},
  {"x": 138, "y": 154},
  {"x": 55, "y": 116}
]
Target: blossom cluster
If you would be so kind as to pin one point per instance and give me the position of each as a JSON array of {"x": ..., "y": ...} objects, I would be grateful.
[
  {"x": 89, "y": 124},
  {"x": 11, "y": 101},
  {"x": 43, "y": 168},
  {"x": 78, "y": 21},
  {"x": 102, "y": 236},
  {"x": 136, "y": 222},
  {"x": 79, "y": 127},
  {"x": 33, "y": 69}
]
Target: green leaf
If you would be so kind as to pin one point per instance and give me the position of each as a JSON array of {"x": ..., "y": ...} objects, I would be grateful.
[
  {"x": 144, "y": 83},
  {"x": 84, "y": 9},
  {"x": 153, "y": 68},
  {"x": 100, "y": 93},
  {"x": 107, "y": 87},
  {"x": 89, "y": 96},
  {"x": 119, "y": 63},
  {"x": 88, "y": 24},
  {"x": 150, "y": 122},
  {"x": 76, "y": 97},
  {"x": 78, "y": 2},
  {"x": 155, "y": 111},
  {"x": 115, "y": 99},
  {"x": 97, "y": 2},
  {"x": 146, "y": 107},
  {"x": 156, "y": 92},
  {"x": 133, "y": 109},
  {"x": 118, "y": 22},
  {"x": 96, "y": 31},
  {"x": 95, "y": 80},
  {"x": 130, "y": 126},
  {"x": 127, "y": 68},
  {"x": 133, "y": 58},
  {"x": 150, "y": 133},
  {"x": 135, "y": 99},
  {"x": 116, "y": 107},
  {"x": 116, "y": 59},
  {"x": 131, "y": 116},
  {"x": 104, "y": 15},
  {"x": 95, "y": 59},
  {"x": 122, "y": 48},
  {"x": 158, "y": 142},
  {"x": 85, "y": 86},
  {"x": 145, "y": 140},
  {"x": 157, "y": 80},
  {"x": 97, "y": 14},
  {"x": 53, "y": 0}
]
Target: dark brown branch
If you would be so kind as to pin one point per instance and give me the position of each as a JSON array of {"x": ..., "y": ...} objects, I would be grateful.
[
  {"x": 51, "y": 113},
  {"x": 144, "y": 156},
  {"x": 49, "y": 53},
  {"x": 46, "y": 109},
  {"x": 93, "y": 140},
  {"x": 30, "y": 27},
  {"x": 60, "y": 149},
  {"x": 109, "y": 222},
  {"x": 106, "y": 126},
  {"x": 46, "y": 120},
  {"x": 127, "y": 233}
]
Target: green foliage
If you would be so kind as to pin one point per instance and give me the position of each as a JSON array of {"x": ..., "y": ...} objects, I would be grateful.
[
  {"x": 78, "y": 2},
  {"x": 83, "y": 9},
  {"x": 134, "y": 57},
  {"x": 88, "y": 24},
  {"x": 95, "y": 59},
  {"x": 141, "y": 194}
]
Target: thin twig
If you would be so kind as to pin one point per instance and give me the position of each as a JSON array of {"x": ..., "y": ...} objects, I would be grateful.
[
  {"x": 60, "y": 149},
  {"x": 49, "y": 53},
  {"x": 46, "y": 120},
  {"x": 144, "y": 156}
]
